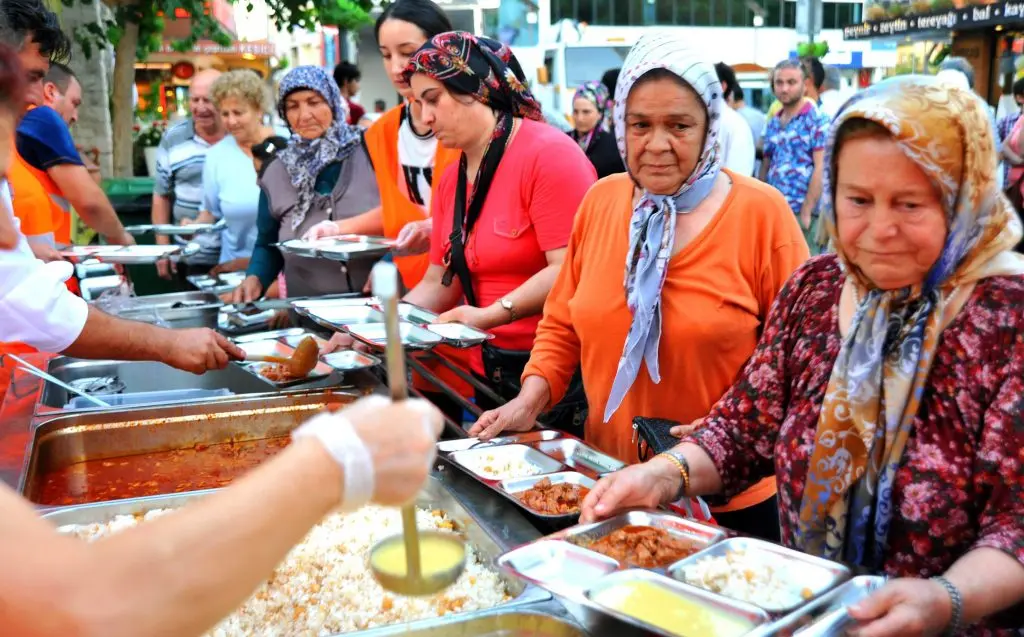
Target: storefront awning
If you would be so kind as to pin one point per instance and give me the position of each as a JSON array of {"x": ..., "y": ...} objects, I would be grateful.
[{"x": 970, "y": 17}]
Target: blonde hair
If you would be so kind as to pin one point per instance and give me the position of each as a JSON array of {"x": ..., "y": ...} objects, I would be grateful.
[{"x": 242, "y": 84}]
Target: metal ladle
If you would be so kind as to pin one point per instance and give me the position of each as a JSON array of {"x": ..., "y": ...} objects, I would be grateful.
[{"x": 413, "y": 581}]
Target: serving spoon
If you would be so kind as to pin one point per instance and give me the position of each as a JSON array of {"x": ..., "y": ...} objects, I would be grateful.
[
  {"x": 396, "y": 561},
  {"x": 302, "y": 361}
]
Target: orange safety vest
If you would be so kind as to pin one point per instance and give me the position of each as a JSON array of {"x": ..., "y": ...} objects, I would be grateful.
[
  {"x": 396, "y": 208},
  {"x": 396, "y": 211}
]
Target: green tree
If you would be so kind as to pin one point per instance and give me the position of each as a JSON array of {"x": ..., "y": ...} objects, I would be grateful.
[{"x": 135, "y": 33}]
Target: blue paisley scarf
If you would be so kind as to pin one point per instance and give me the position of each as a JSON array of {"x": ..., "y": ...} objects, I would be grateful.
[
  {"x": 305, "y": 159},
  {"x": 652, "y": 228},
  {"x": 880, "y": 374},
  {"x": 596, "y": 94}
]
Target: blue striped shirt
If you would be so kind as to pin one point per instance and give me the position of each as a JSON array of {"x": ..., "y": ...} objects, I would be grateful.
[{"x": 179, "y": 175}]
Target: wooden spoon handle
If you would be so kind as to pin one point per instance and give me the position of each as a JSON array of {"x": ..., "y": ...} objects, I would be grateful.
[{"x": 254, "y": 358}]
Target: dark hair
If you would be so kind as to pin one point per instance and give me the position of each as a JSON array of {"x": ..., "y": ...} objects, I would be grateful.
[
  {"x": 610, "y": 79},
  {"x": 728, "y": 77},
  {"x": 23, "y": 18},
  {"x": 1018, "y": 87},
  {"x": 814, "y": 69},
  {"x": 425, "y": 14},
  {"x": 60, "y": 75},
  {"x": 380, "y": 105},
  {"x": 12, "y": 82},
  {"x": 346, "y": 72},
  {"x": 789, "y": 64}
]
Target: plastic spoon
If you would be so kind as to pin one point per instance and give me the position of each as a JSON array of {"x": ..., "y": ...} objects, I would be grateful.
[{"x": 398, "y": 561}]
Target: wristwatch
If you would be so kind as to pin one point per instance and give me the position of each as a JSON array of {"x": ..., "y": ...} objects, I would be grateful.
[{"x": 509, "y": 307}]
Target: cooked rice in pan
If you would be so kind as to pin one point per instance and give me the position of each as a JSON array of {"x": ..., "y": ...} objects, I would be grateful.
[{"x": 324, "y": 585}]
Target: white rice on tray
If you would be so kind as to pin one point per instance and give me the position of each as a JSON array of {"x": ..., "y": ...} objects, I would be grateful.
[
  {"x": 324, "y": 585},
  {"x": 500, "y": 466},
  {"x": 754, "y": 577}
]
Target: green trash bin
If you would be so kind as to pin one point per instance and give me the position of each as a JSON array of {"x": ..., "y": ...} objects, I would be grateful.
[{"x": 132, "y": 198}]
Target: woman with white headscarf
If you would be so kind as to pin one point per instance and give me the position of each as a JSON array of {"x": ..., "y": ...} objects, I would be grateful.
[{"x": 704, "y": 252}]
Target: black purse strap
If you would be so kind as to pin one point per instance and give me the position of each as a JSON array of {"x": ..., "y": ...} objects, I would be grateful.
[{"x": 464, "y": 219}]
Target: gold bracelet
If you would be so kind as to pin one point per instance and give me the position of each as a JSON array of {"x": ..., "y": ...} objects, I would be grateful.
[{"x": 684, "y": 471}]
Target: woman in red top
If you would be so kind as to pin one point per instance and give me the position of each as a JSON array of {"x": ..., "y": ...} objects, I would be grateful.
[{"x": 508, "y": 204}]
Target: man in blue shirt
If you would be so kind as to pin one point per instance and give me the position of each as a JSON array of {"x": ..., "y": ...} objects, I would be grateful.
[{"x": 45, "y": 144}]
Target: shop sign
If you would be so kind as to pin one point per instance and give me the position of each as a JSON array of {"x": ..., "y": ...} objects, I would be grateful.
[
  {"x": 969, "y": 17},
  {"x": 209, "y": 47}
]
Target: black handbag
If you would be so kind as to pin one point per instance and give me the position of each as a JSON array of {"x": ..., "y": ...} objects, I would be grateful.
[{"x": 653, "y": 437}]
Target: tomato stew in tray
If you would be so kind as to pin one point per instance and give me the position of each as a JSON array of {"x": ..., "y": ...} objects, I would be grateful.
[{"x": 112, "y": 455}]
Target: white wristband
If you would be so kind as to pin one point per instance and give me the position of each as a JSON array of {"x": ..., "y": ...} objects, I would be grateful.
[{"x": 339, "y": 438}]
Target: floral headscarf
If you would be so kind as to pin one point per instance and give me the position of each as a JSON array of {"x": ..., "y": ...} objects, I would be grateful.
[
  {"x": 305, "y": 159},
  {"x": 596, "y": 94},
  {"x": 652, "y": 228},
  {"x": 481, "y": 67},
  {"x": 876, "y": 385}
]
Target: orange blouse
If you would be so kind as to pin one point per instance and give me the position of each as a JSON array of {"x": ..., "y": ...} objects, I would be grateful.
[{"x": 717, "y": 294}]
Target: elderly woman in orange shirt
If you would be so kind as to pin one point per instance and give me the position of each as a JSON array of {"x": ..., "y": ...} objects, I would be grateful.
[{"x": 705, "y": 253}]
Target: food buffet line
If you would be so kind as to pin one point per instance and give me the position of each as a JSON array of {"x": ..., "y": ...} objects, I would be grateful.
[{"x": 169, "y": 437}]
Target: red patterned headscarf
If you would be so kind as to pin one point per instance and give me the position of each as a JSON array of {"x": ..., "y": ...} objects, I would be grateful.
[{"x": 480, "y": 67}]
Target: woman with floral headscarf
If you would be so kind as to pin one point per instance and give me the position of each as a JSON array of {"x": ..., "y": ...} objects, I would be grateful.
[
  {"x": 589, "y": 130},
  {"x": 324, "y": 174},
  {"x": 503, "y": 213},
  {"x": 704, "y": 251},
  {"x": 887, "y": 389}
]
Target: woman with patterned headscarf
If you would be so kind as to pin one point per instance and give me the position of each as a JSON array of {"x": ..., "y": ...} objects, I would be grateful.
[
  {"x": 502, "y": 213},
  {"x": 670, "y": 273},
  {"x": 887, "y": 389},
  {"x": 322, "y": 175},
  {"x": 589, "y": 130}
]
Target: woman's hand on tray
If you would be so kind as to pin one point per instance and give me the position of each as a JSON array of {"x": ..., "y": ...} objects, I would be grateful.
[
  {"x": 516, "y": 415},
  {"x": 341, "y": 341},
  {"x": 482, "y": 318},
  {"x": 322, "y": 230},
  {"x": 199, "y": 350},
  {"x": 250, "y": 290},
  {"x": 414, "y": 238},
  {"x": 391, "y": 452},
  {"x": 646, "y": 485},
  {"x": 904, "y": 607}
]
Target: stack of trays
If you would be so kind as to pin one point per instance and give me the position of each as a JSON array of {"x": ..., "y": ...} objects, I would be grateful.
[
  {"x": 283, "y": 342},
  {"x": 696, "y": 583},
  {"x": 513, "y": 465},
  {"x": 364, "y": 319}
]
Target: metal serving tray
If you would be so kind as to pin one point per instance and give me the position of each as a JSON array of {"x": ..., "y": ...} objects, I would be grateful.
[
  {"x": 574, "y": 453},
  {"x": 137, "y": 255},
  {"x": 506, "y": 623},
  {"x": 307, "y": 305},
  {"x": 221, "y": 282},
  {"x": 825, "y": 616},
  {"x": 334, "y": 318},
  {"x": 517, "y": 487},
  {"x": 170, "y": 229},
  {"x": 564, "y": 569},
  {"x": 803, "y": 572},
  {"x": 322, "y": 370},
  {"x": 350, "y": 360},
  {"x": 478, "y": 461},
  {"x": 416, "y": 314},
  {"x": 699, "y": 535},
  {"x": 96, "y": 435},
  {"x": 446, "y": 447},
  {"x": 459, "y": 335},
  {"x": 350, "y": 250},
  {"x": 750, "y": 614},
  {"x": 485, "y": 534},
  {"x": 540, "y": 447},
  {"x": 375, "y": 335}
]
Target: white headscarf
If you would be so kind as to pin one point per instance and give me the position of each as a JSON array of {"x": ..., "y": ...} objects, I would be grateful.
[{"x": 652, "y": 228}]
